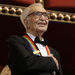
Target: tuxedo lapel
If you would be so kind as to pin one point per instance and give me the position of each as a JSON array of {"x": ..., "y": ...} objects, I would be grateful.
[{"x": 28, "y": 45}]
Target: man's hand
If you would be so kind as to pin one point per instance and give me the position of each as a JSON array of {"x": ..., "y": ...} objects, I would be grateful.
[{"x": 55, "y": 60}]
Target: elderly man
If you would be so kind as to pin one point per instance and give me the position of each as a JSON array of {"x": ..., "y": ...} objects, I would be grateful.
[{"x": 29, "y": 54}]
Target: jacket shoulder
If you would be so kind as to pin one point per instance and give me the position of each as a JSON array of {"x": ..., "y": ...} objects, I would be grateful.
[{"x": 15, "y": 38}]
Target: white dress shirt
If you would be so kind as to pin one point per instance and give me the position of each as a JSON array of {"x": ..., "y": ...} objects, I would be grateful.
[{"x": 40, "y": 46}]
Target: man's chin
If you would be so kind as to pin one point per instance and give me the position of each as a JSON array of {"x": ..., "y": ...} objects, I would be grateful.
[{"x": 42, "y": 30}]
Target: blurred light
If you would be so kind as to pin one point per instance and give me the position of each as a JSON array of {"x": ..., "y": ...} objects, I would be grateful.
[
  {"x": 5, "y": 9},
  {"x": 19, "y": 11},
  {"x": 53, "y": 16},
  {"x": 12, "y": 10},
  {"x": 67, "y": 17},
  {"x": 60, "y": 16}
]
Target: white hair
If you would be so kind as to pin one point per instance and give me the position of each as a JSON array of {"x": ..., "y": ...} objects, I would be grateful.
[{"x": 29, "y": 10}]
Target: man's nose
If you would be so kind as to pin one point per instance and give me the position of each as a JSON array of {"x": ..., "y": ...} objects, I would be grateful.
[{"x": 42, "y": 17}]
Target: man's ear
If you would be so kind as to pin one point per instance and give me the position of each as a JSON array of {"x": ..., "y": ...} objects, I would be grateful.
[{"x": 24, "y": 21}]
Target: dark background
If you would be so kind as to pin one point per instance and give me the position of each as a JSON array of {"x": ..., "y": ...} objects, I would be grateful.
[{"x": 60, "y": 36}]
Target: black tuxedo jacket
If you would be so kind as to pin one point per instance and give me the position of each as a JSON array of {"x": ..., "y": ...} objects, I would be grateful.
[{"x": 22, "y": 61}]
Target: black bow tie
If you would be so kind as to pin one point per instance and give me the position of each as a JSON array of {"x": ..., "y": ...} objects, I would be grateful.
[{"x": 37, "y": 40}]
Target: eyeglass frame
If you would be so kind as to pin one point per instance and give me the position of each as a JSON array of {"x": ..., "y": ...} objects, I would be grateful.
[{"x": 37, "y": 13}]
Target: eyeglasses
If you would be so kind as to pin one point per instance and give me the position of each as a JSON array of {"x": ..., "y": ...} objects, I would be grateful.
[{"x": 38, "y": 14}]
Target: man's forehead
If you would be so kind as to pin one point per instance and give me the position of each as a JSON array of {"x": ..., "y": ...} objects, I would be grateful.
[{"x": 37, "y": 8}]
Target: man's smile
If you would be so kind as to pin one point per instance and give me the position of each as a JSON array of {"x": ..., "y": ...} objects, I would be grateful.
[{"x": 42, "y": 23}]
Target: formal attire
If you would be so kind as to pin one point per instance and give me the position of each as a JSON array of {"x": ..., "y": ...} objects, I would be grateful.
[{"x": 26, "y": 57}]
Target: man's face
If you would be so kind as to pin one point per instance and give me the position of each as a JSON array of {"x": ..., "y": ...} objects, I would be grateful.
[{"x": 38, "y": 21}]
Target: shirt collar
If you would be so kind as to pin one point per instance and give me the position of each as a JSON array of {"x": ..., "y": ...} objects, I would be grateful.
[{"x": 33, "y": 37}]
